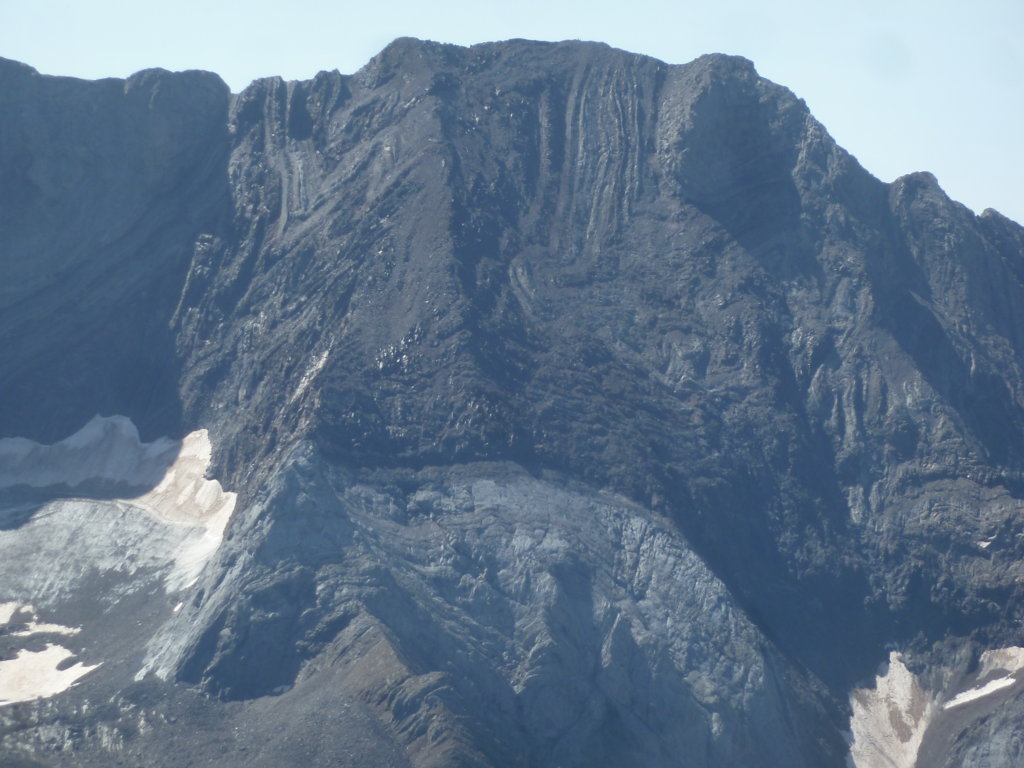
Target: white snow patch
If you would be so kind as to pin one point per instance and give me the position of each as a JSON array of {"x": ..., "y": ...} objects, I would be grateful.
[
  {"x": 38, "y": 629},
  {"x": 184, "y": 495},
  {"x": 109, "y": 449},
  {"x": 976, "y": 693},
  {"x": 984, "y": 544},
  {"x": 34, "y": 674},
  {"x": 1009, "y": 660},
  {"x": 32, "y": 627},
  {"x": 7, "y": 610},
  {"x": 174, "y": 528},
  {"x": 889, "y": 721}
]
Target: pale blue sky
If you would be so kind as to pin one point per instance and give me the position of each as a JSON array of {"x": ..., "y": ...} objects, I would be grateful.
[{"x": 904, "y": 85}]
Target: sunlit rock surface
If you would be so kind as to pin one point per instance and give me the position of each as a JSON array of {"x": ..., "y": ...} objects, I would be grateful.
[{"x": 516, "y": 405}]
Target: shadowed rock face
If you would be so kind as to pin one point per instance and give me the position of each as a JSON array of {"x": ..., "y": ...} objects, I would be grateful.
[{"x": 582, "y": 410}]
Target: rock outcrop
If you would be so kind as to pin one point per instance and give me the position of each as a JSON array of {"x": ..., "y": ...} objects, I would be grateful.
[{"x": 581, "y": 410}]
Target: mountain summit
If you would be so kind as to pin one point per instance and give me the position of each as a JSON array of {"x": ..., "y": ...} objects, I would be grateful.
[{"x": 524, "y": 404}]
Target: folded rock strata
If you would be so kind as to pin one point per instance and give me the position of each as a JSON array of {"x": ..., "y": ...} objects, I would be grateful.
[{"x": 522, "y": 404}]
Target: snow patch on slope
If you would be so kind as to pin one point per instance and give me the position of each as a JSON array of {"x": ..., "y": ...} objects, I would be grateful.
[
  {"x": 1005, "y": 659},
  {"x": 185, "y": 497},
  {"x": 7, "y": 610},
  {"x": 889, "y": 721},
  {"x": 37, "y": 674},
  {"x": 976, "y": 693},
  {"x": 1008, "y": 660},
  {"x": 128, "y": 516},
  {"x": 108, "y": 450}
]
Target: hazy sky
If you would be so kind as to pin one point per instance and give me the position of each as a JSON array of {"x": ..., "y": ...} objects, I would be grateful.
[{"x": 904, "y": 85}]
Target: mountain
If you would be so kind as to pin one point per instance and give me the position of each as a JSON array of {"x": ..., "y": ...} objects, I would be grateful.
[{"x": 524, "y": 404}]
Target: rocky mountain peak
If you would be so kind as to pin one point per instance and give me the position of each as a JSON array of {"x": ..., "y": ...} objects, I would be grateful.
[{"x": 580, "y": 409}]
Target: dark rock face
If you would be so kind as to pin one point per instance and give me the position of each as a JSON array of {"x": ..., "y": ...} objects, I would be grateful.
[
  {"x": 583, "y": 410},
  {"x": 105, "y": 186}
]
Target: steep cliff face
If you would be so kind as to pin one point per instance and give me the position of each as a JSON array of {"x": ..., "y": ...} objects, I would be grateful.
[
  {"x": 581, "y": 410},
  {"x": 105, "y": 186}
]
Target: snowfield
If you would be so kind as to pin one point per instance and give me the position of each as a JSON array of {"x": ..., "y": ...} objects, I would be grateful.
[
  {"x": 890, "y": 720},
  {"x": 156, "y": 517},
  {"x": 36, "y": 674}
]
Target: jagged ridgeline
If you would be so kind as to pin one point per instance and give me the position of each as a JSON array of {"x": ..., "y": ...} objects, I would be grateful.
[{"x": 524, "y": 404}]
